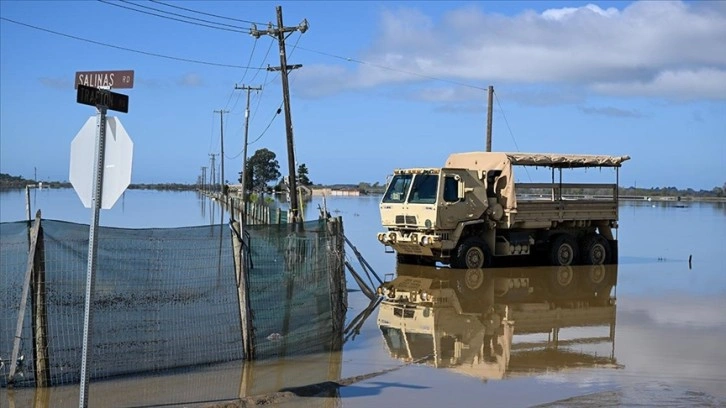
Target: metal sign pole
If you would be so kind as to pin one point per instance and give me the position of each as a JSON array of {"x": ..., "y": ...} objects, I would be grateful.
[{"x": 92, "y": 249}]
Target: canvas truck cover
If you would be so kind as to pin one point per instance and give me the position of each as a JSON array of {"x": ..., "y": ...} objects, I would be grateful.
[{"x": 504, "y": 184}]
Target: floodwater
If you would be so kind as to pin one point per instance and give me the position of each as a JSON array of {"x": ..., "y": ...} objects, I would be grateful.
[{"x": 655, "y": 339}]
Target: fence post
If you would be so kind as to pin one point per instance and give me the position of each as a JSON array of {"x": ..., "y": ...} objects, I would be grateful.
[
  {"x": 40, "y": 315},
  {"x": 24, "y": 298},
  {"x": 336, "y": 277},
  {"x": 243, "y": 298}
]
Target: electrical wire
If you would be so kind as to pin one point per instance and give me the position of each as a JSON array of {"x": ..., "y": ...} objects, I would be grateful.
[
  {"x": 264, "y": 81},
  {"x": 216, "y": 27},
  {"x": 151, "y": 54},
  {"x": 262, "y": 66},
  {"x": 403, "y": 71},
  {"x": 269, "y": 124},
  {"x": 510, "y": 131},
  {"x": 242, "y": 81},
  {"x": 206, "y": 14}
]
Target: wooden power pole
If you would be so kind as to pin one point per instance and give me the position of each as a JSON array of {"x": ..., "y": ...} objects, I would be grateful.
[
  {"x": 281, "y": 33},
  {"x": 244, "y": 149},
  {"x": 221, "y": 142},
  {"x": 489, "y": 118}
]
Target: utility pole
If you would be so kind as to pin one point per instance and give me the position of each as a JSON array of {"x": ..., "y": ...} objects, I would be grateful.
[
  {"x": 212, "y": 179},
  {"x": 247, "y": 125},
  {"x": 489, "y": 118},
  {"x": 221, "y": 141},
  {"x": 280, "y": 33}
]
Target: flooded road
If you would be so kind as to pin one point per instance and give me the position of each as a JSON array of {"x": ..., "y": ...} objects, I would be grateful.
[{"x": 649, "y": 331}]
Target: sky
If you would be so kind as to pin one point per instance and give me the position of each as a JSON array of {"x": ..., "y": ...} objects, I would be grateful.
[{"x": 383, "y": 85}]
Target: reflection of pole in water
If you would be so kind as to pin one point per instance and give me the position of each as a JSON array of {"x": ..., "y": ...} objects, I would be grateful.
[
  {"x": 212, "y": 209},
  {"x": 203, "y": 201}
]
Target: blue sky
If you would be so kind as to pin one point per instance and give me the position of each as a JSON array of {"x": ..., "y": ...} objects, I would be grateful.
[{"x": 383, "y": 85}]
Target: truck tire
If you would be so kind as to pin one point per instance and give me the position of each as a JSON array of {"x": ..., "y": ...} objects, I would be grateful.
[
  {"x": 595, "y": 250},
  {"x": 563, "y": 251},
  {"x": 473, "y": 253}
]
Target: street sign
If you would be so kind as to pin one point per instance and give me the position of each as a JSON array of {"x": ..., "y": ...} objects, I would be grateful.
[
  {"x": 100, "y": 97},
  {"x": 105, "y": 79},
  {"x": 117, "y": 162}
]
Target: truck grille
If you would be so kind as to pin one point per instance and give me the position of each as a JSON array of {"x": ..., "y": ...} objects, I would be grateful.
[{"x": 406, "y": 219}]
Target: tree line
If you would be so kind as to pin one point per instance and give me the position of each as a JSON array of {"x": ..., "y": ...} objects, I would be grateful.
[{"x": 263, "y": 170}]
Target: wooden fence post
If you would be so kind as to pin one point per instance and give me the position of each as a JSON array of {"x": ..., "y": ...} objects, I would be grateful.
[
  {"x": 40, "y": 315},
  {"x": 243, "y": 296}
]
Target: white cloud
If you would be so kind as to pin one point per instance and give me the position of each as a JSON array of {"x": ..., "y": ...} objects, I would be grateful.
[
  {"x": 569, "y": 12},
  {"x": 684, "y": 84},
  {"x": 662, "y": 49}
]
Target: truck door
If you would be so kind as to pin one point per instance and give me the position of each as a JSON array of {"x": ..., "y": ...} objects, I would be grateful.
[{"x": 452, "y": 202}]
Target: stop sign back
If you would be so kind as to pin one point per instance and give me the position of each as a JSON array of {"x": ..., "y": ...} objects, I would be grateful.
[{"x": 117, "y": 162}]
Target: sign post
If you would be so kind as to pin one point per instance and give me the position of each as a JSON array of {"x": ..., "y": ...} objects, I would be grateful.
[{"x": 102, "y": 100}]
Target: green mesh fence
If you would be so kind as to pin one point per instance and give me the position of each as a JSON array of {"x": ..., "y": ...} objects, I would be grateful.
[{"x": 167, "y": 298}]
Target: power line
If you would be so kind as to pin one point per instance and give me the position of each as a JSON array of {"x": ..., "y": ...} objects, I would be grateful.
[
  {"x": 183, "y": 16},
  {"x": 264, "y": 82},
  {"x": 204, "y": 13},
  {"x": 279, "y": 110},
  {"x": 252, "y": 53},
  {"x": 216, "y": 27},
  {"x": 263, "y": 61},
  {"x": 403, "y": 71},
  {"x": 152, "y": 54},
  {"x": 510, "y": 131}
]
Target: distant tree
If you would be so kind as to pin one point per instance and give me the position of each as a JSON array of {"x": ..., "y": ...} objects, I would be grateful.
[
  {"x": 264, "y": 168},
  {"x": 302, "y": 175}
]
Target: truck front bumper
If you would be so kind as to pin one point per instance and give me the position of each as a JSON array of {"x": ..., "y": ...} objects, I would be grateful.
[{"x": 416, "y": 243}]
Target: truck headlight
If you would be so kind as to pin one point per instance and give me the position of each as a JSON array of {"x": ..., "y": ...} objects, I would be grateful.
[
  {"x": 392, "y": 237},
  {"x": 425, "y": 241}
]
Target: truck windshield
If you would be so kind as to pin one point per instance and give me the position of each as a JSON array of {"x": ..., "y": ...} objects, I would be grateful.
[
  {"x": 424, "y": 189},
  {"x": 398, "y": 188}
]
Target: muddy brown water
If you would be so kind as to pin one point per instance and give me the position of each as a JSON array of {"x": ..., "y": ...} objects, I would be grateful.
[{"x": 663, "y": 347}]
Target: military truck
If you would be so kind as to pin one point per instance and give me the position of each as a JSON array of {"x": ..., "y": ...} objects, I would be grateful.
[{"x": 472, "y": 211}]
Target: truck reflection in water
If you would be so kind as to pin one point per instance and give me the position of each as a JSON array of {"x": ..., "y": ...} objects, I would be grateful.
[{"x": 497, "y": 323}]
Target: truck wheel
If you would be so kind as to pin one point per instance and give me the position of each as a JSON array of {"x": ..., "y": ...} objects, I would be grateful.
[
  {"x": 473, "y": 253},
  {"x": 563, "y": 251},
  {"x": 595, "y": 250}
]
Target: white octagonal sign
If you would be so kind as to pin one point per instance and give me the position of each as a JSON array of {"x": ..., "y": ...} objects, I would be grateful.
[{"x": 117, "y": 165}]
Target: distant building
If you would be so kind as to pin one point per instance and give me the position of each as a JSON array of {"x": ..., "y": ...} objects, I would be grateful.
[{"x": 351, "y": 192}]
